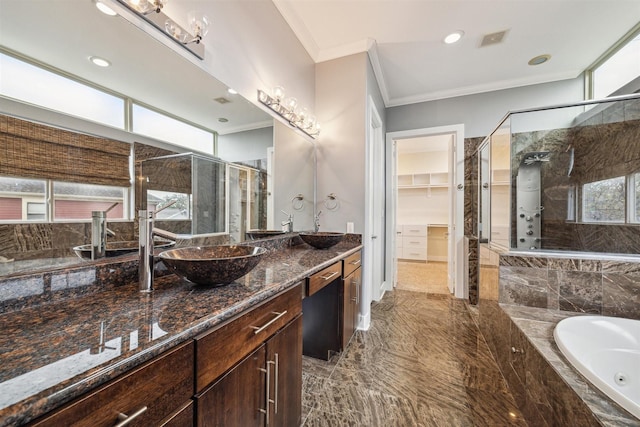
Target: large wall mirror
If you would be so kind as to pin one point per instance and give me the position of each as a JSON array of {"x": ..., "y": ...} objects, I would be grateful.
[{"x": 256, "y": 150}]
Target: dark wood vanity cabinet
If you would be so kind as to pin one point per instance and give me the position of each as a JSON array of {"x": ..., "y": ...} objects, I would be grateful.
[
  {"x": 263, "y": 387},
  {"x": 332, "y": 307},
  {"x": 157, "y": 393},
  {"x": 351, "y": 288},
  {"x": 246, "y": 372}
]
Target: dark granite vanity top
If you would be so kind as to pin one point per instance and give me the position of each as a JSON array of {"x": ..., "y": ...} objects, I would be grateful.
[{"x": 57, "y": 350}]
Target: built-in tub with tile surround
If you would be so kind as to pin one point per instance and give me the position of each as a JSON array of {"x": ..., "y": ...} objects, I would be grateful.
[{"x": 606, "y": 351}]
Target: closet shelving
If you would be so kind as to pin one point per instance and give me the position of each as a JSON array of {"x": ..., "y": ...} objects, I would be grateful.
[{"x": 423, "y": 180}]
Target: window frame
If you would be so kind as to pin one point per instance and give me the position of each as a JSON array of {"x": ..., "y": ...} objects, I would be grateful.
[{"x": 589, "y": 74}]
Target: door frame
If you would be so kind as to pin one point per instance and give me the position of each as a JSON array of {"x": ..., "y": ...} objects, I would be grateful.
[
  {"x": 456, "y": 272},
  {"x": 372, "y": 239}
]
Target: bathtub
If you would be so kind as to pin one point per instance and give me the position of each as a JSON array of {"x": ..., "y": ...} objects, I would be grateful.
[{"x": 605, "y": 350}]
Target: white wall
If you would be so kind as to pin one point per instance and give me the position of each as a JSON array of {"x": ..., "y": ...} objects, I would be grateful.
[
  {"x": 340, "y": 109},
  {"x": 480, "y": 113}
]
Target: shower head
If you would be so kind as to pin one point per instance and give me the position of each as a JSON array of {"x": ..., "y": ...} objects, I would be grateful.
[{"x": 535, "y": 157}]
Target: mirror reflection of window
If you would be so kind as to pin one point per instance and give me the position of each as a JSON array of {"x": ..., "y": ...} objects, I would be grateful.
[
  {"x": 73, "y": 201},
  {"x": 21, "y": 199}
]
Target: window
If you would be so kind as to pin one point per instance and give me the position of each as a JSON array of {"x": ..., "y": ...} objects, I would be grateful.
[
  {"x": 25, "y": 82},
  {"x": 617, "y": 70},
  {"x": 180, "y": 209},
  {"x": 26, "y": 200},
  {"x": 156, "y": 125},
  {"x": 36, "y": 211},
  {"x": 20, "y": 199},
  {"x": 74, "y": 201},
  {"x": 604, "y": 201}
]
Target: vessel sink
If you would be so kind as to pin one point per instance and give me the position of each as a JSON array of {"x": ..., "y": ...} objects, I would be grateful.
[
  {"x": 261, "y": 234},
  {"x": 120, "y": 248},
  {"x": 212, "y": 265},
  {"x": 321, "y": 239}
]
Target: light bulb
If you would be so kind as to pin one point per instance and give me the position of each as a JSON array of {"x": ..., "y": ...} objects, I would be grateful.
[
  {"x": 278, "y": 93},
  {"x": 176, "y": 32},
  {"x": 291, "y": 104},
  {"x": 198, "y": 23}
]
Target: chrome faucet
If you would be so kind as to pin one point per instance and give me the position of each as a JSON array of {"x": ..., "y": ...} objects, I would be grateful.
[
  {"x": 316, "y": 222},
  {"x": 146, "y": 232},
  {"x": 99, "y": 232},
  {"x": 289, "y": 222}
]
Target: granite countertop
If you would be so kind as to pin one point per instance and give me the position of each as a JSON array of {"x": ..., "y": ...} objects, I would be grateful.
[{"x": 54, "y": 352}]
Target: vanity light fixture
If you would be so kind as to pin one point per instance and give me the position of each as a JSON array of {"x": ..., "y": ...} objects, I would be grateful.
[
  {"x": 298, "y": 118},
  {"x": 454, "y": 37},
  {"x": 151, "y": 11}
]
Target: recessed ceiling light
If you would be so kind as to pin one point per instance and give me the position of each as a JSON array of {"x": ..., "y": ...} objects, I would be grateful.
[
  {"x": 223, "y": 120},
  {"x": 454, "y": 37},
  {"x": 540, "y": 59},
  {"x": 100, "y": 62},
  {"x": 105, "y": 9},
  {"x": 232, "y": 91}
]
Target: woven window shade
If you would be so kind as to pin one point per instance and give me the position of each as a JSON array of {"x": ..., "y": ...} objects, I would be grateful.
[{"x": 32, "y": 150}]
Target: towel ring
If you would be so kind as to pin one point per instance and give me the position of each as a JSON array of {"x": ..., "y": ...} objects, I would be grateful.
[
  {"x": 331, "y": 202},
  {"x": 298, "y": 202}
]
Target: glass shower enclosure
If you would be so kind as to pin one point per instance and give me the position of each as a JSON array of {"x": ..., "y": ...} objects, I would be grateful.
[{"x": 563, "y": 178}]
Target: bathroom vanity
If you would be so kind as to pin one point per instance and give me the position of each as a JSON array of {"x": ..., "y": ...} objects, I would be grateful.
[{"x": 100, "y": 354}]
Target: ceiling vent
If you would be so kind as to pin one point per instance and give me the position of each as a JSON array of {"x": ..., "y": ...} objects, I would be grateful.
[
  {"x": 493, "y": 38},
  {"x": 222, "y": 100}
]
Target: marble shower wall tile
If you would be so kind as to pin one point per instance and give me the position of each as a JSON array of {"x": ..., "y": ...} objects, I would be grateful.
[
  {"x": 471, "y": 184},
  {"x": 474, "y": 268},
  {"x": 581, "y": 285},
  {"x": 524, "y": 286}
]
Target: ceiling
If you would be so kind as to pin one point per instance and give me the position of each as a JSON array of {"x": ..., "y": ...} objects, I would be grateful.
[
  {"x": 403, "y": 37},
  {"x": 413, "y": 64},
  {"x": 65, "y": 33}
]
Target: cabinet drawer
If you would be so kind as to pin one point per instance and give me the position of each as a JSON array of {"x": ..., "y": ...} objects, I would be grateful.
[
  {"x": 414, "y": 253},
  {"x": 413, "y": 242},
  {"x": 414, "y": 230},
  {"x": 351, "y": 263},
  {"x": 218, "y": 350},
  {"x": 323, "y": 277},
  {"x": 160, "y": 386}
]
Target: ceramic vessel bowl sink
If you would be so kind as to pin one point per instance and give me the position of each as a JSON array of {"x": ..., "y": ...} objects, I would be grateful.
[
  {"x": 321, "y": 239},
  {"x": 261, "y": 234},
  {"x": 212, "y": 265},
  {"x": 120, "y": 248}
]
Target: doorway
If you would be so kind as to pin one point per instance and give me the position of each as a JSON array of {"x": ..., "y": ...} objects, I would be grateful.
[
  {"x": 455, "y": 274},
  {"x": 422, "y": 213}
]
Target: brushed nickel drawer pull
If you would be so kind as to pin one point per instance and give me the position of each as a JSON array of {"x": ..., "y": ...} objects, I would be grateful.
[
  {"x": 257, "y": 329},
  {"x": 126, "y": 419},
  {"x": 356, "y": 262},
  {"x": 329, "y": 276}
]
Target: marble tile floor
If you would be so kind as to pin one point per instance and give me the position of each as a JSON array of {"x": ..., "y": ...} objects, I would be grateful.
[
  {"x": 421, "y": 276},
  {"x": 422, "y": 363}
]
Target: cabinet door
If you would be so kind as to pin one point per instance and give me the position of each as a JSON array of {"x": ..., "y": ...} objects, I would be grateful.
[
  {"x": 284, "y": 362},
  {"x": 351, "y": 305},
  {"x": 348, "y": 294},
  {"x": 238, "y": 398}
]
